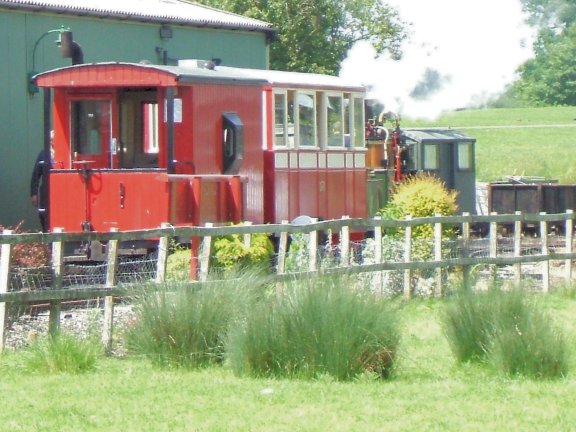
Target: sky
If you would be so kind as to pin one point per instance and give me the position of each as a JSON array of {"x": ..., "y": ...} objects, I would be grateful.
[{"x": 460, "y": 53}]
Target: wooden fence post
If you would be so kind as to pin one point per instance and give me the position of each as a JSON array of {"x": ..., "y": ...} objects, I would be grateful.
[
  {"x": 408, "y": 259},
  {"x": 163, "y": 245},
  {"x": 546, "y": 263},
  {"x": 569, "y": 232},
  {"x": 282, "y": 250},
  {"x": 466, "y": 251},
  {"x": 205, "y": 249},
  {"x": 313, "y": 248},
  {"x": 438, "y": 256},
  {"x": 493, "y": 248},
  {"x": 57, "y": 273},
  {"x": 247, "y": 237},
  {"x": 112, "y": 264},
  {"x": 194, "y": 257},
  {"x": 377, "y": 280},
  {"x": 518, "y": 248},
  {"x": 281, "y": 258},
  {"x": 4, "y": 284},
  {"x": 345, "y": 243}
]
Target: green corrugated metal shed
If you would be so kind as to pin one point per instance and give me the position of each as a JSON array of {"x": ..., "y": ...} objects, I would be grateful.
[{"x": 156, "y": 31}]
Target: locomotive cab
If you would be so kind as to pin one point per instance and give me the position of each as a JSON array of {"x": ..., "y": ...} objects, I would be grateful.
[{"x": 395, "y": 153}]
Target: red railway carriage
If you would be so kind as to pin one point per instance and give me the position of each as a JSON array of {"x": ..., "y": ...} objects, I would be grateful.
[{"x": 138, "y": 144}]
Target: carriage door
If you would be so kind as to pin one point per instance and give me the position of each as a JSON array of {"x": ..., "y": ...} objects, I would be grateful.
[
  {"x": 91, "y": 133},
  {"x": 138, "y": 146}
]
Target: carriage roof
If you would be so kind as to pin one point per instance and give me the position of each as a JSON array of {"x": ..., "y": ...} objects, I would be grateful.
[{"x": 142, "y": 74}]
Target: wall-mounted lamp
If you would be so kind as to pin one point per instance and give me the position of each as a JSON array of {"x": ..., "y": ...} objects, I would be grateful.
[
  {"x": 31, "y": 86},
  {"x": 70, "y": 48},
  {"x": 66, "y": 44},
  {"x": 165, "y": 31}
]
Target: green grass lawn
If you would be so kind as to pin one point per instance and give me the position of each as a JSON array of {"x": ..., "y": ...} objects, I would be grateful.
[
  {"x": 428, "y": 392},
  {"x": 528, "y": 141}
]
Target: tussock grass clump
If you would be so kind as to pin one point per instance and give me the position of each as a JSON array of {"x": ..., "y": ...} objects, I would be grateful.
[
  {"x": 505, "y": 329},
  {"x": 316, "y": 328},
  {"x": 529, "y": 344},
  {"x": 184, "y": 325},
  {"x": 467, "y": 323},
  {"x": 62, "y": 352},
  {"x": 181, "y": 327}
]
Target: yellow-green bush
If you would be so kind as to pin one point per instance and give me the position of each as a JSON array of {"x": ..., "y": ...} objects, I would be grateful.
[
  {"x": 231, "y": 252},
  {"x": 421, "y": 196}
]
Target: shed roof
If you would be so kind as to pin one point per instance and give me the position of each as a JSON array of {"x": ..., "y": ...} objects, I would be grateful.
[
  {"x": 438, "y": 135},
  {"x": 156, "y": 11}
]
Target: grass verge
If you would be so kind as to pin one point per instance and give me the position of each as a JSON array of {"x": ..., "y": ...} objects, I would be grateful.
[{"x": 428, "y": 391}]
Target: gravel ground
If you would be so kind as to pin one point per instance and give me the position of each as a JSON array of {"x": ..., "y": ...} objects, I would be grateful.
[{"x": 79, "y": 321}]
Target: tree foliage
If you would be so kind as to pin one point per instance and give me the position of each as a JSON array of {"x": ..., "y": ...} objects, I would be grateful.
[
  {"x": 550, "y": 78},
  {"x": 315, "y": 35}
]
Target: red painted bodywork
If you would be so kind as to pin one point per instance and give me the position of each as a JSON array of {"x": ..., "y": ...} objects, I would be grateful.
[
  {"x": 109, "y": 199},
  {"x": 98, "y": 191}
]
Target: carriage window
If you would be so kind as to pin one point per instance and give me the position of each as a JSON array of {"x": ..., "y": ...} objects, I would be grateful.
[
  {"x": 430, "y": 156},
  {"x": 464, "y": 156},
  {"x": 334, "y": 116},
  {"x": 150, "y": 120},
  {"x": 348, "y": 120},
  {"x": 306, "y": 106},
  {"x": 90, "y": 126},
  {"x": 358, "y": 122},
  {"x": 280, "y": 126},
  {"x": 232, "y": 142}
]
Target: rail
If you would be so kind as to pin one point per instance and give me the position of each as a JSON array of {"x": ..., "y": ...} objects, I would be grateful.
[{"x": 466, "y": 252}]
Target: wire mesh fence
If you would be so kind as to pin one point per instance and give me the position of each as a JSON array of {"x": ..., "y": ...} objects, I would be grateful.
[
  {"x": 131, "y": 270},
  {"x": 142, "y": 269},
  {"x": 389, "y": 265}
]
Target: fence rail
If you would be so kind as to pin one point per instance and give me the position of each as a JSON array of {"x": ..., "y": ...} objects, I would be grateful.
[{"x": 464, "y": 251}]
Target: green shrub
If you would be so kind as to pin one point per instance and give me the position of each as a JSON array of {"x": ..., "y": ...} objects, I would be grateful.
[
  {"x": 316, "y": 328},
  {"x": 62, "y": 352},
  {"x": 503, "y": 328},
  {"x": 421, "y": 196},
  {"x": 230, "y": 252},
  {"x": 178, "y": 265}
]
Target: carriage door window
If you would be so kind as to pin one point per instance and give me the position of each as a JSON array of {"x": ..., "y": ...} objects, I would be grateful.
[
  {"x": 150, "y": 115},
  {"x": 232, "y": 143},
  {"x": 139, "y": 139},
  {"x": 90, "y": 130}
]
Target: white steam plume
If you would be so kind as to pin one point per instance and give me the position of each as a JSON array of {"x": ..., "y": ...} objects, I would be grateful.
[{"x": 460, "y": 53}]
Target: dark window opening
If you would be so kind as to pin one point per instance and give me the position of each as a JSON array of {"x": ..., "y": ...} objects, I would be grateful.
[
  {"x": 139, "y": 140},
  {"x": 232, "y": 143}
]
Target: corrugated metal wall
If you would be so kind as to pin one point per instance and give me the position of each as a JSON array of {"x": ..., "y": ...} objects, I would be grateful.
[{"x": 101, "y": 40}]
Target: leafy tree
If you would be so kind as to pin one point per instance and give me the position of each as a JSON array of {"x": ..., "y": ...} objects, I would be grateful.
[
  {"x": 550, "y": 78},
  {"x": 550, "y": 13},
  {"x": 315, "y": 35}
]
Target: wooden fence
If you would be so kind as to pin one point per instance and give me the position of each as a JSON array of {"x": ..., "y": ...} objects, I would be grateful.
[{"x": 340, "y": 231}]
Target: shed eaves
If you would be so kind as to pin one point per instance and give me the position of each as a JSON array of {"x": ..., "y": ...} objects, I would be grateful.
[{"x": 160, "y": 11}]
